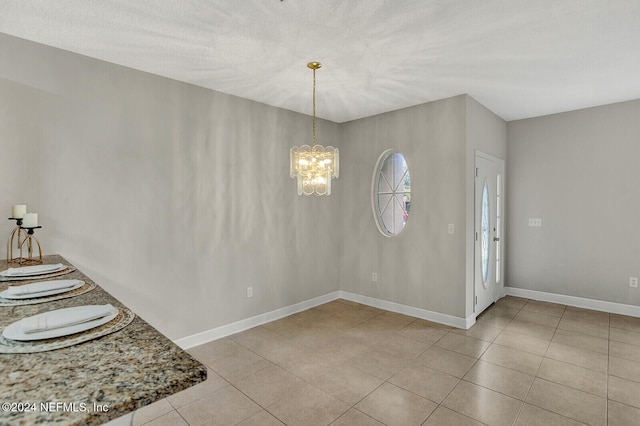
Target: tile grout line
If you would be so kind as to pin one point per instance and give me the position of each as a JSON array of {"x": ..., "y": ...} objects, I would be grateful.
[
  {"x": 515, "y": 420},
  {"x": 309, "y": 383},
  {"x": 561, "y": 384},
  {"x": 534, "y": 378},
  {"x": 432, "y": 344}
]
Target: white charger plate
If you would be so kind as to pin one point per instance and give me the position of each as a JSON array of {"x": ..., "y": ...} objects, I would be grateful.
[
  {"x": 14, "y": 331},
  {"x": 33, "y": 273},
  {"x": 5, "y": 294}
]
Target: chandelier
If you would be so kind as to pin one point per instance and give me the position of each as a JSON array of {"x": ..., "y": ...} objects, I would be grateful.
[{"x": 314, "y": 165}]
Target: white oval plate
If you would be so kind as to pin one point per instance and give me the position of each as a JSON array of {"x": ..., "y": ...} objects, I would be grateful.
[
  {"x": 14, "y": 331},
  {"x": 5, "y": 295},
  {"x": 33, "y": 272}
]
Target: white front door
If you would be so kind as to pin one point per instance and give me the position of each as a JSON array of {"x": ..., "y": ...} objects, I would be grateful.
[{"x": 489, "y": 226}]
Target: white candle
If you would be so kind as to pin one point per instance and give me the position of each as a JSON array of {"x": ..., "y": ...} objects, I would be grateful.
[
  {"x": 30, "y": 220},
  {"x": 18, "y": 211}
]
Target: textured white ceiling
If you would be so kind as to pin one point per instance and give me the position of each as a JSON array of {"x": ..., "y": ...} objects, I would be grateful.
[{"x": 520, "y": 58}]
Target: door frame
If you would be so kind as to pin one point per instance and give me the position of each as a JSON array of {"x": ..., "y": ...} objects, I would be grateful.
[{"x": 499, "y": 287}]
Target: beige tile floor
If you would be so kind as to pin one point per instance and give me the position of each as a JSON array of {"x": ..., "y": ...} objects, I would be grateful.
[{"x": 523, "y": 363}]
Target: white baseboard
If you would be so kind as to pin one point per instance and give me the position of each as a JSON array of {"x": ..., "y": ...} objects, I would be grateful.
[
  {"x": 245, "y": 324},
  {"x": 450, "y": 320},
  {"x": 578, "y": 302},
  {"x": 458, "y": 322}
]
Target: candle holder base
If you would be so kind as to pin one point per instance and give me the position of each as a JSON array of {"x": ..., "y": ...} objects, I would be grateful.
[
  {"x": 28, "y": 240},
  {"x": 29, "y": 262}
]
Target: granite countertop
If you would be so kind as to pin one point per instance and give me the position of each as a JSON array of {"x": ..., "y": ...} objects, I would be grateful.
[{"x": 95, "y": 381}]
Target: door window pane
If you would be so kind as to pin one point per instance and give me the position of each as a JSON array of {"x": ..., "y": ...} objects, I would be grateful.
[
  {"x": 498, "y": 228},
  {"x": 485, "y": 234}
]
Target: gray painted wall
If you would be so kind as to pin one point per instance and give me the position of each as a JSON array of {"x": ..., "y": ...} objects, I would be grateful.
[
  {"x": 177, "y": 198},
  {"x": 578, "y": 171},
  {"x": 173, "y": 197},
  {"x": 486, "y": 132},
  {"x": 423, "y": 266}
]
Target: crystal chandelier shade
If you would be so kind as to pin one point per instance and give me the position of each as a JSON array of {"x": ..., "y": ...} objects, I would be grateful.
[{"x": 314, "y": 165}]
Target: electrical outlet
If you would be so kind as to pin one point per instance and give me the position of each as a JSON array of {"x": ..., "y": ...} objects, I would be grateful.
[
  {"x": 249, "y": 291},
  {"x": 374, "y": 277},
  {"x": 535, "y": 222},
  {"x": 451, "y": 229},
  {"x": 633, "y": 282}
]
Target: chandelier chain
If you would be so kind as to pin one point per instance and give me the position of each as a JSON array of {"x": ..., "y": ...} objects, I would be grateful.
[{"x": 314, "y": 108}]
